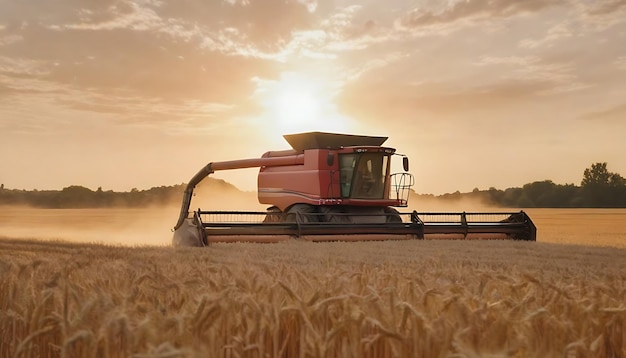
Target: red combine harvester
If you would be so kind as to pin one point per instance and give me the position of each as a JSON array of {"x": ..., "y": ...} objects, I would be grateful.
[{"x": 335, "y": 187}]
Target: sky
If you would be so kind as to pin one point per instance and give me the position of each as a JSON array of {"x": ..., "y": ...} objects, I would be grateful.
[{"x": 126, "y": 94}]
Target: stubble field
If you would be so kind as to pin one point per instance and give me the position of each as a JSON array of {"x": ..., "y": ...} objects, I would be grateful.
[{"x": 564, "y": 295}]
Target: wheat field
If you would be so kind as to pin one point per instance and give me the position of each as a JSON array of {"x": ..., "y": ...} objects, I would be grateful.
[{"x": 301, "y": 299}]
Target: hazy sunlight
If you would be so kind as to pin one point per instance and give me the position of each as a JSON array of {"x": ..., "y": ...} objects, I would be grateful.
[
  {"x": 194, "y": 81},
  {"x": 299, "y": 103},
  {"x": 295, "y": 108}
]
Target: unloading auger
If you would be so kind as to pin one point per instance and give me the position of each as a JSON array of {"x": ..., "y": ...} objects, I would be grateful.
[{"x": 335, "y": 187}]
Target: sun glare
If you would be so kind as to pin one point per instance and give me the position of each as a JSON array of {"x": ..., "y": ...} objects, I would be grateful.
[
  {"x": 296, "y": 106},
  {"x": 299, "y": 103}
]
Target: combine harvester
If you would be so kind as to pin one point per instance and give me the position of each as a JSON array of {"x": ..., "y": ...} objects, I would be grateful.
[{"x": 334, "y": 187}]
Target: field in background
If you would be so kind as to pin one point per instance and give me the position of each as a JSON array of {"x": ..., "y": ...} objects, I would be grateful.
[
  {"x": 300, "y": 299},
  {"x": 152, "y": 226}
]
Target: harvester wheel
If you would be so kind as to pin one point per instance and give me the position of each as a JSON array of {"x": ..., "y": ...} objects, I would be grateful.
[
  {"x": 393, "y": 216},
  {"x": 274, "y": 215},
  {"x": 517, "y": 218},
  {"x": 356, "y": 215},
  {"x": 303, "y": 212},
  {"x": 331, "y": 217},
  {"x": 187, "y": 235}
]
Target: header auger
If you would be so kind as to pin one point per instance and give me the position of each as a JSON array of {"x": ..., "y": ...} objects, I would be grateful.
[{"x": 334, "y": 187}]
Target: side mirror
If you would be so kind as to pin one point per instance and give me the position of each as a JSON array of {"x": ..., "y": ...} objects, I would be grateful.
[
  {"x": 405, "y": 163},
  {"x": 330, "y": 159}
]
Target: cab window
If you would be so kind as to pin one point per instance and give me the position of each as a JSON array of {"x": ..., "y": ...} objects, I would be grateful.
[
  {"x": 363, "y": 175},
  {"x": 346, "y": 166}
]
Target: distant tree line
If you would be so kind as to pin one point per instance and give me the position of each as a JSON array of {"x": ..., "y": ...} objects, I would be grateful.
[
  {"x": 599, "y": 188},
  {"x": 76, "y": 196},
  {"x": 80, "y": 197}
]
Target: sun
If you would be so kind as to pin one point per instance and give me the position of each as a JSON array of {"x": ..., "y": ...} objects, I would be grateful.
[
  {"x": 296, "y": 106},
  {"x": 298, "y": 102}
]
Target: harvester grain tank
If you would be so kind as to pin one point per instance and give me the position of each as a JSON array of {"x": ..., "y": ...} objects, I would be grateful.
[{"x": 334, "y": 187}]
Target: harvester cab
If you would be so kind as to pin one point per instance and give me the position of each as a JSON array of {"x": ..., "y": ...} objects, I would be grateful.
[{"x": 331, "y": 187}]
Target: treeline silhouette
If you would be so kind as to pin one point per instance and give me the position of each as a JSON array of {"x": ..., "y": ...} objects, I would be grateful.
[
  {"x": 599, "y": 188},
  {"x": 76, "y": 196},
  {"x": 80, "y": 197}
]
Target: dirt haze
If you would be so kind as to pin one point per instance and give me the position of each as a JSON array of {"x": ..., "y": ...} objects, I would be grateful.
[
  {"x": 427, "y": 203},
  {"x": 152, "y": 226},
  {"x": 125, "y": 226}
]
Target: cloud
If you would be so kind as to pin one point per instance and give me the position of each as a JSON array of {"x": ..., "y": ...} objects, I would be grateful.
[
  {"x": 340, "y": 31},
  {"x": 374, "y": 63},
  {"x": 125, "y": 37},
  {"x": 154, "y": 58},
  {"x": 584, "y": 20},
  {"x": 601, "y": 15},
  {"x": 266, "y": 25},
  {"x": 123, "y": 15},
  {"x": 614, "y": 115},
  {"x": 496, "y": 82},
  {"x": 465, "y": 11},
  {"x": 9, "y": 39},
  {"x": 396, "y": 104},
  {"x": 47, "y": 107},
  {"x": 118, "y": 60},
  {"x": 606, "y": 7},
  {"x": 151, "y": 58},
  {"x": 21, "y": 66},
  {"x": 560, "y": 76},
  {"x": 145, "y": 54},
  {"x": 554, "y": 34}
]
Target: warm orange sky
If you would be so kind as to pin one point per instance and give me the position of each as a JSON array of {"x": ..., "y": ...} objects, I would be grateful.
[{"x": 478, "y": 93}]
